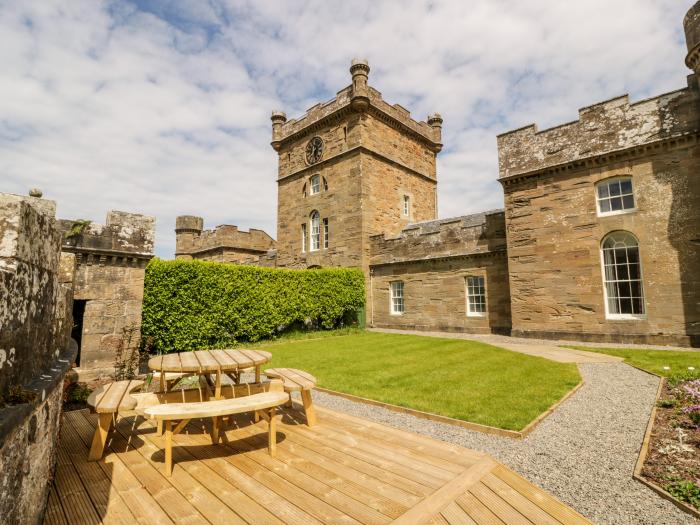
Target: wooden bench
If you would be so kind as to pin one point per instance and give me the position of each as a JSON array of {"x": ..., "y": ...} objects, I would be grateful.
[
  {"x": 297, "y": 381},
  {"x": 262, "y": 404},
  {"x": 106, "y": 401}
]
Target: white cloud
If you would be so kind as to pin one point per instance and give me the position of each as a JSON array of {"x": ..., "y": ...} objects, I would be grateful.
[{"x": 162, "y": 106}]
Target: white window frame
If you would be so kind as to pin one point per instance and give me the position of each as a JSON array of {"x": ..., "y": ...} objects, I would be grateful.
[
  {"x": 620, "y": 316},
  {"x": 325, "y": 233},
  {"x": 397, "y": 306},
  {"x": 609, "y": 197},
  {"x": 315, "y": 185},
  {"x": 314, "y": 231},
  {"x": 471, "y": 297},
  {"x": 407, "y": 205},
  {"x": 303, "y": 238}
]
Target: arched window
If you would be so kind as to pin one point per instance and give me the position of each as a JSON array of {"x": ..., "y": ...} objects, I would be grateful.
[
  {"x": 622, "y": 276},
  {"x": 315, "y": 185},
  {"x": 325, "y": 184},
  {"x": 615, "y": 196},
  {"x": 315, "y": 222}
]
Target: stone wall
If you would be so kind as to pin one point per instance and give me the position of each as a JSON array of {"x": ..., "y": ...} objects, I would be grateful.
[
  {"x": 111, "y": 261},
  {"x": 433, "y": 259},
  {"x": 555, "y": 232},
  {"x": 225, "y": 243},
  {"x": 35, "y": 353}
]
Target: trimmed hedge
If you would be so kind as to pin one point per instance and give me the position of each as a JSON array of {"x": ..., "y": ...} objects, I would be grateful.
[{"x": 191, "y": 305}]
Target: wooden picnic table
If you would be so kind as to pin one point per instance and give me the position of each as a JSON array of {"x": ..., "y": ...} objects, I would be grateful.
[{"x": 208, "y": 362}]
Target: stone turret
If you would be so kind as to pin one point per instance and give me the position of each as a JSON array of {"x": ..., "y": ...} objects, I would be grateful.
[
  {"x": 188, "y": 228},
  {"x": 360, "y": 91},
  {"x": 435, "y": 122},
  {"x": 691, "y": 25},
  {"x": 278, "y": 118}
]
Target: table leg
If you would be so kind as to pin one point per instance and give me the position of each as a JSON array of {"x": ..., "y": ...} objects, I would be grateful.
[
  {"x": 308, "y": 407},
  {"x": 168, "y": 447},
  {"x": 272, "y": 433},
  {"x": 217, "y": 389},
  {"x": 257, "y": 373},
  {"x": 99, "y": 440},
  {"x": 163, "y": 386}
]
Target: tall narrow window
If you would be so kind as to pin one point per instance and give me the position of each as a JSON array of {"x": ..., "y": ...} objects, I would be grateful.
[
  {"x": 615, "y": 196},
  {"x": 315, "y": 185},
  {"x": 476, "y": 296},
  {"x": 406, "y": 205},
  {"x": 325, "y": 233},
  {"x": 303, "y": 237},
  {"x": 397, "y": 305},
  {"x": 622, "y": 275},
  {"x": 315, "y": 231}
]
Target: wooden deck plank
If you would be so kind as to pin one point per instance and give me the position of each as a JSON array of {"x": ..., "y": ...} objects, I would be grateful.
[
  {"x": 549, "y": 504},
  {"x": 349, "y": 481},
  {"x": 341, "y": 471},
  {"x": 145, "y": 509},
  {"x": 325, "y": 488},
  {"x": 54, "y": 514}
]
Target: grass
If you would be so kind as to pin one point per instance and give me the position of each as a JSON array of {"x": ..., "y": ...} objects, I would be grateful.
[
  {"x": 653, "y": 361},
  {"x": 466, "y": 380}
]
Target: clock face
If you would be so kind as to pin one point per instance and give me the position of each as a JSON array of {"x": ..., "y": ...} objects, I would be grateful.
[{"x": 314, "y": 150}]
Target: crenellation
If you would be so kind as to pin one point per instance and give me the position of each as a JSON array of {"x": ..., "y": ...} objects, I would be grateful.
[{"x": 601, "y": 129}]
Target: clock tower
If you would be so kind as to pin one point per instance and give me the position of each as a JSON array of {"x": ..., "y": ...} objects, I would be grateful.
[{"x": 350, "y": 168}]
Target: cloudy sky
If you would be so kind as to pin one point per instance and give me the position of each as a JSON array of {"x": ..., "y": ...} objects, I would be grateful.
[{"x": 162, "y": 106}]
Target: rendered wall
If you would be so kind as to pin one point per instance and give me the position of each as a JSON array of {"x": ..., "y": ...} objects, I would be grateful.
[{"x": 34, "y": 353}]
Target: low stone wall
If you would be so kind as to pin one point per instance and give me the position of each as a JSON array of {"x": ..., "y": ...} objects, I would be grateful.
[{"x": 35, "y": 323}]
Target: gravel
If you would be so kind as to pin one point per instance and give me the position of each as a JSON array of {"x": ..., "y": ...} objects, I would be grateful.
[{"x": 584, "y": 453}]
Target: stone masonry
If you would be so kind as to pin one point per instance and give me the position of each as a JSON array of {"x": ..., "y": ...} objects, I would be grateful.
[
  {"x": 109, "y": 279},
  {"x": 35, "y": 352},
  {"x": 224, "y": 243},
  {"x": 357, "y": 187}
]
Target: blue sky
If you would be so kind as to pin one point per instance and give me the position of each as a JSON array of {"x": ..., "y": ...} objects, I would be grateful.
[{"x": 162, "y": 106}]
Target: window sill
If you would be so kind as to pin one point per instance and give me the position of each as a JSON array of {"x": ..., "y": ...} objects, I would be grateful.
[
  {"x": 476, "y": 314},
  {"x": 397, "y": 314},
  {"x": 614, "y": 213},
  {"x": 625, "y": 317}
]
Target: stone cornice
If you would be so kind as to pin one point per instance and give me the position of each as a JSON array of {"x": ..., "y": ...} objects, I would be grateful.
[
  {"x": 495, "y": 253},
  {"x": 596, "y": 161},
  {"x": 349, "y": 152},
  {"x": 221, "y": 247},
  {"x": 103, "y": 252}
]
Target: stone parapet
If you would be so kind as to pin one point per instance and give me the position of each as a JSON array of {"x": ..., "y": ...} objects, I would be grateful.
[
  {"x": 608, "y": 127},
  {"x": 193, "y": 241},
  {"x": 475, "y": 234},
  {"x": 127, "y": 234},
  {"x": 357, "y": 97}
]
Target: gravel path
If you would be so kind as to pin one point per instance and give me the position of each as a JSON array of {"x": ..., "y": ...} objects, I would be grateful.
[{"x": 584, "y": 453}]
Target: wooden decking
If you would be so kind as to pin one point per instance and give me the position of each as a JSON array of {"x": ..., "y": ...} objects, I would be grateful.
[{"x": 344, "y": 470}]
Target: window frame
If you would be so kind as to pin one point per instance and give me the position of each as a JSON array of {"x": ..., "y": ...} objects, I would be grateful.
[
  {"x": 607, "y": 182},
  {"x": 303, "y": 237},
  {"x": 606, "y": 300},
  {"x": 324, "y": 221},
  {"x": 393, "y": 296},
  {"x": 314, "y": 184},
  {"x": 484, "y": 294},
  {"x": 314, "y": 231}
]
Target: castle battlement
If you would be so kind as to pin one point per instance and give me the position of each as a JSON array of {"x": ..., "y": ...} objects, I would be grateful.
[
  {"x": 474, "y": 234},
  {"x": 193, "y": 239},
  {"x": 123, "y": 234},
  {"x": 602, "y": 128},
  {"x": 357, "y": 97}
]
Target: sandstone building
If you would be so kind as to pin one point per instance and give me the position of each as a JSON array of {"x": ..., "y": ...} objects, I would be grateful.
[
  {"x": 107, "y": 282},
  {"x": 598, "y": 239}
]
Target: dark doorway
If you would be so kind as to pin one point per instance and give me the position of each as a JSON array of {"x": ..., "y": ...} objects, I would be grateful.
[{"x": 77, "y": 332}]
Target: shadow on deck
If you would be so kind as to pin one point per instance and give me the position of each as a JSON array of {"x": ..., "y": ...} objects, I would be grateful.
[{"x": 343, "y": 470}]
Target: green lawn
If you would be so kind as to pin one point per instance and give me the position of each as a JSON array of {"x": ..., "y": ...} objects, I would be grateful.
[
  {"x": 462, "y": 379},
  {"x": 653, "y": 360}
]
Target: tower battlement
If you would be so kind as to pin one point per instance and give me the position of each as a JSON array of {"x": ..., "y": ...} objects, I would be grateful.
[
  {"x": 601, "y": 129},
  {"x": 357, "y": 97}
]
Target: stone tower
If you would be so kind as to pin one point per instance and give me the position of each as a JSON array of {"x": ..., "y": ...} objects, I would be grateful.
[
  {"x": 349, "y": 168},
  {"x": 691, "y": 25}
]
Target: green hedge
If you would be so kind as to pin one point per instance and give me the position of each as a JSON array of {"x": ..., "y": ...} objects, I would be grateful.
[{"x": 192, "y": 304}]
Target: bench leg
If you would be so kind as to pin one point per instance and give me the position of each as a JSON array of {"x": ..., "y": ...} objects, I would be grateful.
[
  {"x": 168, "y": 448},
  {"x": 104, "y": 424},
  {"x": 159, "y": 428},
  {"x": 308, "y": 407},
  {"x": 289, "y": 403},
  {"x": 215, "y": 427},
  {"x": 272, "y": 433}
]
